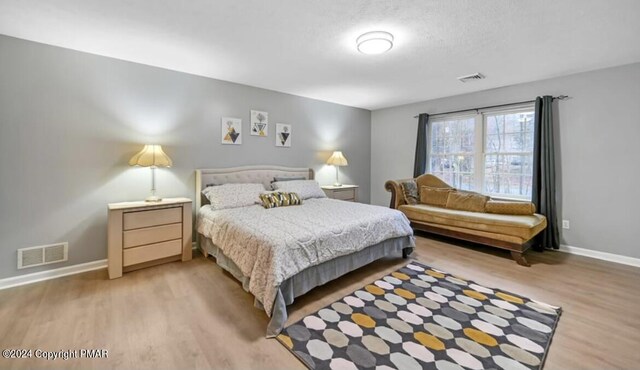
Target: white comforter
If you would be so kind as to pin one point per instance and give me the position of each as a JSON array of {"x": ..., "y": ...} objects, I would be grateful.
[{"x": 272, "y": 245}]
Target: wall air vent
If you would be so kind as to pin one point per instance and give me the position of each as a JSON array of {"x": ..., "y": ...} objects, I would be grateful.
[
  {"x": 42, "y": 255},
  {"x": 471, "y": 77}
]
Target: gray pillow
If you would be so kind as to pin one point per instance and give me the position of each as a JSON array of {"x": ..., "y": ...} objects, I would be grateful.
[
  {"x": 284, "y": 178},
  {"x": 304, "y": 188},
  {"x": 233, "y": 195},
  {"x": 410, "y": 191}
]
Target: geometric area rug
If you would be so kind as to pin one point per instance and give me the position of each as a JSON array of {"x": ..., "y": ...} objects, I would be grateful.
[{"x": 422, "y": 318}]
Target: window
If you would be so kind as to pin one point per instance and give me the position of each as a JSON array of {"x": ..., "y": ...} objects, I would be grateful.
[
  {"x": 508, "y": 154},
  {"x": 490, "y": 152},
  {"x": 453, "y": 151}
]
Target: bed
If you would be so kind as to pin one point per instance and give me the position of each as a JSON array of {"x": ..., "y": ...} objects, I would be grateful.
[{"x": 281, "y": 253}]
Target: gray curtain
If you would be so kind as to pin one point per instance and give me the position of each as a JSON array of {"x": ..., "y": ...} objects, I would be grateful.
[
  {"x": 420, "y": 164},
  {"x": 544, "y": 172}
]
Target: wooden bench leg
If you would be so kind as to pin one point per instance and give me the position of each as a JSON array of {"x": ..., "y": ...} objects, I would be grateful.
[{"x": 519, "y": 258}]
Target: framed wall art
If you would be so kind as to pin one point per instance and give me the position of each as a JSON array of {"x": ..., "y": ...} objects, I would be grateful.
[
  {"x": 259, "y": 123},
  {"x": 231, "y": 130},
  {"x": 283, "y": 135}
]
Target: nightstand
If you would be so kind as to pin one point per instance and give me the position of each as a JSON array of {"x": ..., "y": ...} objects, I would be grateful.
[
  {"x": 344, "y": 192},
  {"x": 143, "y": 234}
]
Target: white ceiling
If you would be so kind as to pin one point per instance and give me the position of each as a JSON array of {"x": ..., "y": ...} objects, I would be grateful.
[{"x": 308, "y": 48}]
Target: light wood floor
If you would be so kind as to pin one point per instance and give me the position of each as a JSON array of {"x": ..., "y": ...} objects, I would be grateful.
[{"x": 193, "y": 315}]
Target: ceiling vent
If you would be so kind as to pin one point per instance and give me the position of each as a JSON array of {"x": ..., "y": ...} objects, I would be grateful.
[
  {"x": 471, "y": 77},
  {"x": 42, "y": 255}
]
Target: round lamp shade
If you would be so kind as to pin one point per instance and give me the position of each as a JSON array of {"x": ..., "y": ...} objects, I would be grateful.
[{"x": 376, "y": 42}]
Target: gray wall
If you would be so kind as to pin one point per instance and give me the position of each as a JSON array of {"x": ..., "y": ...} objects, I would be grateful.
[
  {"x": 70, "y": 121},
  {"x": 599, "y": 156}
]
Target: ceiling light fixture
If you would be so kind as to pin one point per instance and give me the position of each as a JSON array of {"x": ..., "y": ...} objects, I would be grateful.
[{"x": 376, "y": 42}]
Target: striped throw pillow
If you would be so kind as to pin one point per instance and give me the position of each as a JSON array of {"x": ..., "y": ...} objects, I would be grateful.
[{"x": 279, "y": 199}]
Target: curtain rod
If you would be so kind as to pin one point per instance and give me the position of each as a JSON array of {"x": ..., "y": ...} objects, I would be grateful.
[{"x": 559, "y": 97}]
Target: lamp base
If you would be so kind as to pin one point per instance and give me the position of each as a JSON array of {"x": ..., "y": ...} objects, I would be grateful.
[
  {"x": 337, "y": 184},
  {"x": 153, "y": 199}
]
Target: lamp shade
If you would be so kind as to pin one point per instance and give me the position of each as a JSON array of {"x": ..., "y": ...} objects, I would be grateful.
[
  {"x": 151, "y": 156},
  {"x": 337, "y": 159}
]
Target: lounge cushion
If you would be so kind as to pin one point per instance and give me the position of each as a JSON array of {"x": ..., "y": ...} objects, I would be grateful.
[
  {"x": 434, "y": 196},
  {"x": 484, "y": 234},
  {"x": 521, "y": 227},
  {"x": 510, "y": 208},
  {"x": 467, "y": 201}
]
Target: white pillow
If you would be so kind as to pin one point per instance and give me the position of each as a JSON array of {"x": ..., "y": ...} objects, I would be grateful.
[
  {"x": 233, "y": 195},
  {"x": 304, "y": 188}
]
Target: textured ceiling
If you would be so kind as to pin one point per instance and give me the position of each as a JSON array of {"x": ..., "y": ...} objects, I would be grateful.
[{"x": 307, "y": 47}]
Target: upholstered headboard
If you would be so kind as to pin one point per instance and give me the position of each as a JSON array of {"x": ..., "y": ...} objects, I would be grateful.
[{"x": 246, "y": 174}]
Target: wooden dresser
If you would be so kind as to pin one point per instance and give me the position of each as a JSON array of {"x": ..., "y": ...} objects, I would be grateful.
[
  {"x": 143, "y": 234},
  {"x": 344, "y": 192}
]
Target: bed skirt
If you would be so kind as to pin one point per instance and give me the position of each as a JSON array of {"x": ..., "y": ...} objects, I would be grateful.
[{"x": 311, "y": 277}]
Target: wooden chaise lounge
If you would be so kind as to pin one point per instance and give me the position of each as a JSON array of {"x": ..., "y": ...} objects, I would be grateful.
[{"x": 501, "y": 224}]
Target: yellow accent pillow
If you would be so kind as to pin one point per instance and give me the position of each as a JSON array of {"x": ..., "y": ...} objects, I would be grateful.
[
  {"x": 435, "y": 196},
  {"x": 510, "y": 208},
  {"x": 279, "y": 199},
  {"x": 467, "y": 201}
]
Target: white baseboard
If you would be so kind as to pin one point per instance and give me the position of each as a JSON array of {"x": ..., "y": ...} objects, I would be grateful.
[
  {"x": 625, "y": 260},
  {"x": 35, "y": 277},
  {"x": 14, "y": 281}
]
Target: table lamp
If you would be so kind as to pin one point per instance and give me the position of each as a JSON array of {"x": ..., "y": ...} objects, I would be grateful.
[
  {"x": 151, "y": 156},
  {"x": 337, "y": 159}
]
